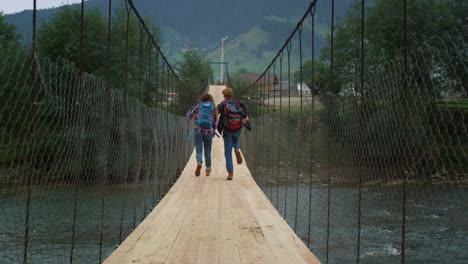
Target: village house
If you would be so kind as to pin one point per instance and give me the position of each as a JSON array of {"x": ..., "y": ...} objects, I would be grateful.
[{"x": 268, "y": 83}]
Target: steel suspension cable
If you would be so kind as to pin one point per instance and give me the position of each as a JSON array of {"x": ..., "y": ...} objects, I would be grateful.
[
  {"x": 311, "y": 163},
  {"x": 262, "y": 149},
  {"x": 273, "y": 132},
  {"x": 30, "y": 172},
  {"x": 143, "y": 24},
  {"x": 329, "y": 98},
  {"x": 80, "y": 146},
  {"x": 125, "y": 122},
  {"x": 140, "y": 62},
  {"x": 279, "y": 156},
  {"x": 109, "y": 39},
  {"x": 288, "y": 51},
  {"x": 288, "y": 41},
  {"x": 406, "y": 95},
  {"x": 109, "y": 96},
  {"x": 268, "y": 132},
  {"x": 299, "y": 128},
  {"x": 358, "y": 240}
]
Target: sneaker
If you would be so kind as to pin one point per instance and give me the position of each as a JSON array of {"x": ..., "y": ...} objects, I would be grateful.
[
  {"x": 197, "y": 171},
  {"x": 230, "y": 176},
  {"x": 208, "y": 171},
  {"x": 238, "y": 156}
]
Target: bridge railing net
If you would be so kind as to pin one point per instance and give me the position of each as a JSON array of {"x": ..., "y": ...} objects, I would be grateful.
[
  {"x": 89, "y": 163},
  {"x": 82, "y": 162},
  {"x": 377, "y": 172}
]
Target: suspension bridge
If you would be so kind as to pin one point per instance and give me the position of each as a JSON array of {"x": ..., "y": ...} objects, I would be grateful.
[
  {"x": 211, "y": 220},
  {"x": 368, "y": 165}
]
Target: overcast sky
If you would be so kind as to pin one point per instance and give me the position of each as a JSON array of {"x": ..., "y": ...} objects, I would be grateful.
[{"x": 13, "y": 6}]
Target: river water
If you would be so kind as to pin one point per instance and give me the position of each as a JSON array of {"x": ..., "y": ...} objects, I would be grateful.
[
  {"x": 436, "y": 222},
  {"x": 51, "y": 222},
  {"x": 436, "y": 230}
]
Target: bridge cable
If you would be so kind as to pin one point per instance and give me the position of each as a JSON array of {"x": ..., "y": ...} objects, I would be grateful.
[
  {"x": 358, "y": 239},
  {"x": 311, "y": 164},
  {"x": 30, "y": 172},
  {"x": 406, "y": 95}
]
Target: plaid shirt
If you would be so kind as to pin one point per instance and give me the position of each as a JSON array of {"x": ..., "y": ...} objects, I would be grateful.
[{"x": 192, "y": 114}]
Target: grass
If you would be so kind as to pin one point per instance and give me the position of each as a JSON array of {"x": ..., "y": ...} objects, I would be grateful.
[{"x": 455, "y": 105}]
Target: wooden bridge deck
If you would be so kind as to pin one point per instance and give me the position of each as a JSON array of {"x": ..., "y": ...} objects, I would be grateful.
[{"x": 211, "y": 220}]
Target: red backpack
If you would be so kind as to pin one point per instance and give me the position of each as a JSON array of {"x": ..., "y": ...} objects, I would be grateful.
[{"x": 233, "y": 114}]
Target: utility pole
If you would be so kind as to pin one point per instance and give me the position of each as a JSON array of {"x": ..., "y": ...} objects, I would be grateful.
[{"x": 222, "y": 58}]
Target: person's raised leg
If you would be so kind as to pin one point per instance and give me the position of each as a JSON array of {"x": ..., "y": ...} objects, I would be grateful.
[
  {"x": 236, "y": 145},
  {"x": 207, "y": 143},
  {"x": 198, "y": 138},
  {"x": 236, "y": 139}
]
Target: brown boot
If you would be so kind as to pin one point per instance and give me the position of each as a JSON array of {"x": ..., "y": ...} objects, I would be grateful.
[
  {"x": 197, "y": 171},
  {"x": 230, "y": 176},
  {"x": 238, "y": 156},
  {"x": 208, "y": 171}
]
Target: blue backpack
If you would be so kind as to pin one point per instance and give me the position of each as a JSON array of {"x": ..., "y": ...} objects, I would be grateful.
[{"x": 205, "y": 115}]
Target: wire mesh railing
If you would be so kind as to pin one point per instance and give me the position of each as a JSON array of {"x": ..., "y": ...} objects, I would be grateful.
[
  {"x": 83, "y": 160},
  {"x": 366, "y": 160}
]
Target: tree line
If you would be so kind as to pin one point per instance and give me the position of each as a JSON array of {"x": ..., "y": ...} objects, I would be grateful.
[
  {"x": 383, "y": 25},
  {"x": 383, "y": 125},
  {"x": 67, "y": 110},
  {"x": 59, "y": 40}
]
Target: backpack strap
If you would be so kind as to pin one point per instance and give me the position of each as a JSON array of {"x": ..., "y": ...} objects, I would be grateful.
[
  {"x": 199, "y": 108},
  {"x": 225, "y": 117},
  {"x": 225, "y": 108},
  {"x": 190, "y": 134},
  {"x": 240, "y": 106}
]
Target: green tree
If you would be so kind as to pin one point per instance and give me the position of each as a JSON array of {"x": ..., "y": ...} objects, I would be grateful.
[
  {"x": 382, "y": 113},
  {"x": 426, "y": 19},
  {"x": 8, "y": 34},
  {"x": 195, "y": 71},
  {"x": 384, "y": 33},
  {"x": 119, "y": 48},
  {"x": 60, "y": 38},
  {"x": 12, "y": 56}
]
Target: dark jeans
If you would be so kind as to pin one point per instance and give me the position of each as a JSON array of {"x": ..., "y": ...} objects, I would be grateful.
[{"x": 231, "y": 140}]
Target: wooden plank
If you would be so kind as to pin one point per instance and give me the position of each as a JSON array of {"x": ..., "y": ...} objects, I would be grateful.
[
  {"x": 191, "y": 228},
  {"x": 161, "y": 244},
  {"x": 228, "y": 233},
  {"x": 209, "y": 242},
  {"x": 192, "y": 252},
  {"x": 254, "y": 247},
  {"x": 285, "y": 243},
  {"x": 160, "y": 240},
  {"x": 281, "y": 241}
]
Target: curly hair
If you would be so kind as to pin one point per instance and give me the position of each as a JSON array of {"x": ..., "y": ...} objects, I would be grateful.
[
  {"x": 228, "y": 93},
  {"x": 207, "y": 98}
]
